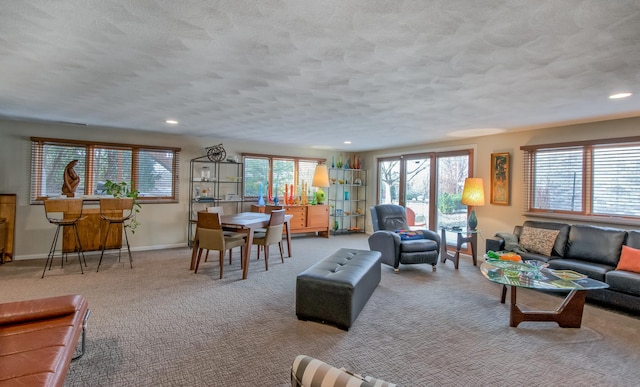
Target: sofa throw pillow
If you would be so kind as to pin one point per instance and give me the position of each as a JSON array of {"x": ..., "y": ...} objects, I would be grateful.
[
  {"x": 538, "y": 240},
  {"x": 408, "y": 235},
  {"x": 629, "y": 259}
]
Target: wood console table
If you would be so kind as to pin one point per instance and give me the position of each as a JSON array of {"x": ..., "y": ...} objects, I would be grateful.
[
  {"x": 308, "y": 218},
  {"x": 91, "y": 230}
]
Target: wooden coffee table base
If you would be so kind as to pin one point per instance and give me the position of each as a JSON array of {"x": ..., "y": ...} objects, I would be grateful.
[{"x": 568, "y": 314}]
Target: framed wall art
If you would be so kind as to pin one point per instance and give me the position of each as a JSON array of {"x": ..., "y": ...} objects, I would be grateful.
[{"x": 500, "y": 178}]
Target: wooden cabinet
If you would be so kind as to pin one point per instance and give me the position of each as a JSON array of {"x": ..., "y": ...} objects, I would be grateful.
[
  {"x": 7, "y": 226},
  {"x": 91, "y": 230},
  {"x": 309, "y": 218},
  {"x": 306, "y": 218}
]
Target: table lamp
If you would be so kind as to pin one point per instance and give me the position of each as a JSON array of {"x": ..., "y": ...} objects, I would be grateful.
[
  {"x": 320, "y": 180},
  {"x": 473, "y": 195}
]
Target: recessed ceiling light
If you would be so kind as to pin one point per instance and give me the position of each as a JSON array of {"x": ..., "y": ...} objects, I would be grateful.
[
  {"x": 172, "y": 122},
  {"x": 619, "y": 95},
  {"x": 347, "y": 142}
]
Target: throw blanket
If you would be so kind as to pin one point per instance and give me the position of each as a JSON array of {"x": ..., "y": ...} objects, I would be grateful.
[{"x": 511, "y": 242}]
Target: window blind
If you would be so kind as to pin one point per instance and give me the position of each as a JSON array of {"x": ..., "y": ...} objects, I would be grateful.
[
  {"x": 153, "y": 171},
  {"x": 596, "y": 178}
]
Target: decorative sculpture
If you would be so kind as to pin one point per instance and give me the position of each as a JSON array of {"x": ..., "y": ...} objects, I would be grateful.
[{"x": 71, "y": 180}]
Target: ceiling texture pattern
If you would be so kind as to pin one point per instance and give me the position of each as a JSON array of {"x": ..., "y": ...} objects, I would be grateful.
[{"x": 317, "y": 73}]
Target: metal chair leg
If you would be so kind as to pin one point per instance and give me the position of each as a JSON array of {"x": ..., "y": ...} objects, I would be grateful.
[
  {"x": 52, "y": 250},
  {"x": 104, "y": 245},
  {"x": 84, "y": 335},
  {"x": 128, "y": 248},
  {"x": 79, "y": 247}
]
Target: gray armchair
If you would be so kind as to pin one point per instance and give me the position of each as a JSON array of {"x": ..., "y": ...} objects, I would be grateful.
[{"x": 387, "y": 218}]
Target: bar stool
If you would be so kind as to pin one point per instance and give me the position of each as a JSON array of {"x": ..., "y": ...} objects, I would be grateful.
[
  {"x": 64, "y": 213},
  {"x": 116, "y": 211}
]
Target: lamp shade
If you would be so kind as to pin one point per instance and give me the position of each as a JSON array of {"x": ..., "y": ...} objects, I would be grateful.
[
  {"x": 473, "y": 192},
  {"x": 321, "y": 176}
]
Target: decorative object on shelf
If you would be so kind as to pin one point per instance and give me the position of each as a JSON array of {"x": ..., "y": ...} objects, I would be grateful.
[
  {"x": 275, "y": 196},
  {"x": 304, "y": 199},
  {"x": 320, "y": 180},
  {"x": 260, "y": 196},
  {"x": 123, "y": 190},
  {"x": 205, "y": 174},
  {"x": 290, "y": 201},
  {"x": 357, "y": 182},
  {"x": 71, "y": 180},
  {"x": 473, "y": 195},
  {"x": 216, "y": 153},
  {"x": 500, "y": 170}
]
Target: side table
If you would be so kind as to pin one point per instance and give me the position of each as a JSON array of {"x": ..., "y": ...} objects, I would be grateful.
[{"x": 464, "y": 236}]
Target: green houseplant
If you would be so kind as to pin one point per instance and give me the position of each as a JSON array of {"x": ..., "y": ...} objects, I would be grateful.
[{"x": 123, "y": 190}]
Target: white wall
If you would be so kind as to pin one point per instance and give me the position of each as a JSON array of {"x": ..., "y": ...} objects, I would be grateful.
[
  {"x": 162, "y": 225},
  {"x": 495, "y": 218},
  {"x": 166, "y": 224}
]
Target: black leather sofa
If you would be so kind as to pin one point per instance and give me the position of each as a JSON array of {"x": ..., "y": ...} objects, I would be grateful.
[{"x": 591, "y": 250}]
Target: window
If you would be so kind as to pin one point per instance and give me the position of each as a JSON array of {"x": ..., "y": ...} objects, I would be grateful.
[
  {"x": 280, "y": 170},
  {"x": 589, "y": 179},
  {"x": 153, "y": 171}
]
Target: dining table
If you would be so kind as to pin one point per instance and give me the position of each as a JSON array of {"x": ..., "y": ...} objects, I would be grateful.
[{"x": 247, "y": 223}]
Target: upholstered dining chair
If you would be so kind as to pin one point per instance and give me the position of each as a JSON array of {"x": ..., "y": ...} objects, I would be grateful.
[
  {"x": 271, "y": 236},
  {"x": 397, "y": 243},
  {"x": 220, "y": 211},
  {"x": 267, "y": 210},
  {"x": 64, "y": 213},
  {"x": 116, "y": 211},
  {"x": 211, "y": 237}
]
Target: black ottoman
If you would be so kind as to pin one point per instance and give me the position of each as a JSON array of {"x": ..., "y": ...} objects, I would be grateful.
[{"x": 335, "y": 289}]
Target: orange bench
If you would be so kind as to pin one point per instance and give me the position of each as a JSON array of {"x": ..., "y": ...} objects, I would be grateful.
[{"x": 38, "y": 339}]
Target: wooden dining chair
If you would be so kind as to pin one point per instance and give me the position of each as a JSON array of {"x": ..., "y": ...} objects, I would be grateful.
[
  {"x": 211, "y": 237},
  {"x": 271, "y": 236},
  {"x": 64, "y": 213}
]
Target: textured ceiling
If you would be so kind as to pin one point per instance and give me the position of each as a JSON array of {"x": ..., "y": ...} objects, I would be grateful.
[{"x": 316, "y": 73}]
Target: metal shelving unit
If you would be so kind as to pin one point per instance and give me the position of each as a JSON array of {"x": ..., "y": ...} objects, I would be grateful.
[
  {"x": 214, "y": 183},
  {"x": 347, "y": 197}
]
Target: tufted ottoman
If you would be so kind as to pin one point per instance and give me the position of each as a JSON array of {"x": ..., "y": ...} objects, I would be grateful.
[{"x": 335, "y": 289}]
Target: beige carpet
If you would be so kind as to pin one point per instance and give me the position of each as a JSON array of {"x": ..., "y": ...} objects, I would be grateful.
[{"x": 160, "y": 324}]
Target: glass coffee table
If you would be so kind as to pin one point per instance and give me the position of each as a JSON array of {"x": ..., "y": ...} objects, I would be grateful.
[{"x": 520, "y": 275}]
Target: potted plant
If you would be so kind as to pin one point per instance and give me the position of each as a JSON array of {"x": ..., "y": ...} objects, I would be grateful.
[{"x": 123, "y": 190}]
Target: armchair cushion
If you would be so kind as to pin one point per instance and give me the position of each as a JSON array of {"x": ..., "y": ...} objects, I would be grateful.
[{"x": 418, "y": 245}]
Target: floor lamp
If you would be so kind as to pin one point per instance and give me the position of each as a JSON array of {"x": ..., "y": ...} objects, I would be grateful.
[{"x": 473, "y": 195}]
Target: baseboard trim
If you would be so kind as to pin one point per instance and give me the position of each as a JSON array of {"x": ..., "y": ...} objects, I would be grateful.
[{"x": 90, "y": 253}]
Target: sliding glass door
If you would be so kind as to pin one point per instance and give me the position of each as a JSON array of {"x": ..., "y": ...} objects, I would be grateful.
[
  {"x": 428, "y": 185},
  {"x": 417, "y": 189},
  {"x": 452, "y": 171}
]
